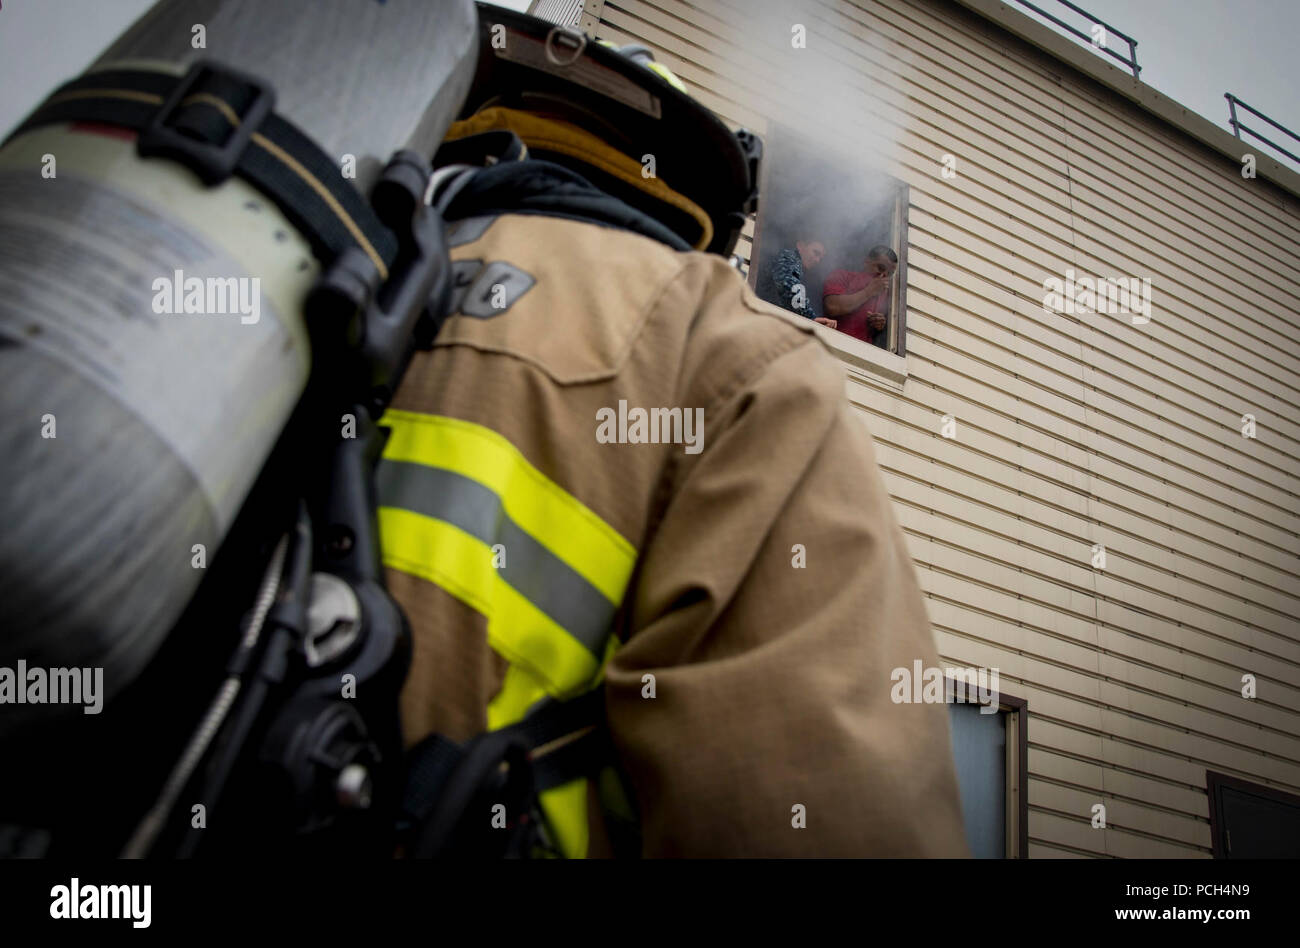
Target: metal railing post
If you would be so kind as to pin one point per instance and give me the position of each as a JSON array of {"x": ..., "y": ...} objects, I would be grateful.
[
  {"x": 1232, "y": 113},
  {"x": 1239, "y": 127}
]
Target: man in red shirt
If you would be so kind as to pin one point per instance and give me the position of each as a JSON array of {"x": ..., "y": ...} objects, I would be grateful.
[{"x": 860, "y": 301}]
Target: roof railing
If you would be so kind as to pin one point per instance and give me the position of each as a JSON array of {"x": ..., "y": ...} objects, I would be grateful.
[
  {"x": 1091, "y": 39},
  {"x": 1238, "y": 127}
]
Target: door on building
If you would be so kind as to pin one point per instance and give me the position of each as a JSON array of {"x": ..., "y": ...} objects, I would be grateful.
[{"x": 1252, "y": 821}]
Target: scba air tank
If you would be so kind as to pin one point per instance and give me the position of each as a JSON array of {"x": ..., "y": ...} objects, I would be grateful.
[{"x": 152, "y": 345}]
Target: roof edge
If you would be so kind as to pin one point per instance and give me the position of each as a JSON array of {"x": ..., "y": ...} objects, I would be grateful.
[{"x": 1161, "y": 106}]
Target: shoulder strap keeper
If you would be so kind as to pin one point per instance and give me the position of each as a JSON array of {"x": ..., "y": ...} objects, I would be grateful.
[{"x": 219, "y": 122}]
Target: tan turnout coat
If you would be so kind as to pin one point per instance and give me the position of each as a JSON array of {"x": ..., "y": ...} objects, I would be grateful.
[{"x": 772, "y": 679}]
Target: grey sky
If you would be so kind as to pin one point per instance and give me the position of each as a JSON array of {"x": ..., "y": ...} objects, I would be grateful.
[
  {"x": 1196, "y": 50},
  {"x": 1191, "y": 50},
  {"x": 46, "y": 42}
]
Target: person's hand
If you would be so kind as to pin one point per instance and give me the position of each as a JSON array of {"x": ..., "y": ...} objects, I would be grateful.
[
  {"x": 878, "y": 284},
  {"x": 831, "y": 323},
  {"x": 876, "y": 321}
]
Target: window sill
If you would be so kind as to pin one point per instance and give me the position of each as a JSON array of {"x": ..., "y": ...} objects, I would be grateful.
[{"x": 865, "y": 362}]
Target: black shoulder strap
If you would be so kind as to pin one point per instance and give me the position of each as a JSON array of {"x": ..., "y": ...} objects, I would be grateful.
[
  {"x": 219, "y": 122},
  {"x": 558, "y": 742}
]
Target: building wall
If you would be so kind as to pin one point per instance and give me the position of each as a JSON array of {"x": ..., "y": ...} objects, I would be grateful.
[{"x": 1073, "y": 430}]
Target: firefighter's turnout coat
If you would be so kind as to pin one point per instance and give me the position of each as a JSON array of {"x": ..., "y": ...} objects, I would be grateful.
[{"x": 617, "y": 469}]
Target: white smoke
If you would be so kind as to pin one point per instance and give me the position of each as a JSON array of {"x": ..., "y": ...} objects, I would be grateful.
[{"x": 827, "y": 81}]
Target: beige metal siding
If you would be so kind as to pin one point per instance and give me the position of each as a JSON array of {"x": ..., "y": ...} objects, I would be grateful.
[{"x": 1072, "y": 430}]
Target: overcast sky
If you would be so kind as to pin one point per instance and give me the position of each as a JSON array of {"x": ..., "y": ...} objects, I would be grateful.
[
  {"x": 1196, "y": 50},
  {"x": 1191, "y": 50}
]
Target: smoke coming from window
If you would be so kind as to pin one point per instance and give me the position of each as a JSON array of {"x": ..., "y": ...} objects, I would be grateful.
[{"x": 834, "y": 120}]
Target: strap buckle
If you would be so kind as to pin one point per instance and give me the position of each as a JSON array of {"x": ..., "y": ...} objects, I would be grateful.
[{"x": 212, "y": 162}]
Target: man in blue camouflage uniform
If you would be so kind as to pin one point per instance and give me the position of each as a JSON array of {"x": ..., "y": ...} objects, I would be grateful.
[{"x": 784, "y": 282}]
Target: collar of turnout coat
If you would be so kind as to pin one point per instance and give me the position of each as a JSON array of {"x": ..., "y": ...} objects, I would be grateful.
[{"x": 533, "y": 186}]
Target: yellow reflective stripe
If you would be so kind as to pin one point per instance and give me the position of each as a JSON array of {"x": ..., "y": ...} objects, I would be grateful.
[
  {"x": 556, "y": 519},
  {"x": 520, "y": 690},
  {"x": 565, "y": 808},
  {"x": 545, "y": 659},
  {"x": 462, "y": 565}
]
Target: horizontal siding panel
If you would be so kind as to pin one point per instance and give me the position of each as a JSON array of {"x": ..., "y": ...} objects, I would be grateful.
[
  {"x": 997, "y": 267},
  {"x": 1281, "y": 600},
  {"x": 1191, "y": 558},
  {"x": 1144, "y": 147},
  {"x": 1150, "y": 208},
  {"x": 1231, "y": 649},
  {"x": 1137, "y": 583},
  {"x": 1183, "y": 400},
  {"x": 1181, "y": 317},
  {"x": 1007, "y": 617},
  {"x": 1099, "y": 584},
  {"x": 1151, "y": 708},
  {"x": 1078, "y": 834},
  {"x": 1040, "y": 850},
  {"x": 1153, "y": 665},
  {"x": 1243, "y": 302},
  {"x": 1122, "y": 726},
  {"x": 1132, "y": 846},
  {"x": 1100, "y": 587},
  {"x": 1121, "y": 759},
  {"x": 1240, "y": 480},
  {"x": 1172, "y": 828},
  {"x": 1121, "y": 784},
  {"x": 974, "y": 380},
  {"x": 918, "y": 430}
]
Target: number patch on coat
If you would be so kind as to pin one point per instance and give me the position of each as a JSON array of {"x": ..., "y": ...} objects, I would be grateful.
[{"x": 486, "y": 291}]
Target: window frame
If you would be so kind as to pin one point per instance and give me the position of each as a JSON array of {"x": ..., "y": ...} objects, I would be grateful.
[
  {"x": 899, "y": 225},
  {"x": 898, "y": 327},
  {"x": 1016, "y": 722}
]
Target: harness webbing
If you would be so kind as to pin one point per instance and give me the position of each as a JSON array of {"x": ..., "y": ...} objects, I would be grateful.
[{"x": 218, "y": 122}]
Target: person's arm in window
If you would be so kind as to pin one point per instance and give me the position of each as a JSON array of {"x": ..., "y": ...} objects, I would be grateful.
[
  {"x": 878, "y": 310},
  {"x": 787, "y": 274},
  {"x": 838, "y": 302}
]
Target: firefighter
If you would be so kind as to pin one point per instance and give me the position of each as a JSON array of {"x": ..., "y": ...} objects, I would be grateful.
[
  {"x": 737, "y": 611},
  {"x": 674, "y": 635}
]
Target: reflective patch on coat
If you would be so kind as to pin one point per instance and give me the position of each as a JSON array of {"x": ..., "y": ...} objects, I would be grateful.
[{"x": 492, "y": 291}]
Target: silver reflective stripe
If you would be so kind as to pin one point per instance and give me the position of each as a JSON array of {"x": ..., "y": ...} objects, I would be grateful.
[{"x": 545, "y": 580}]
